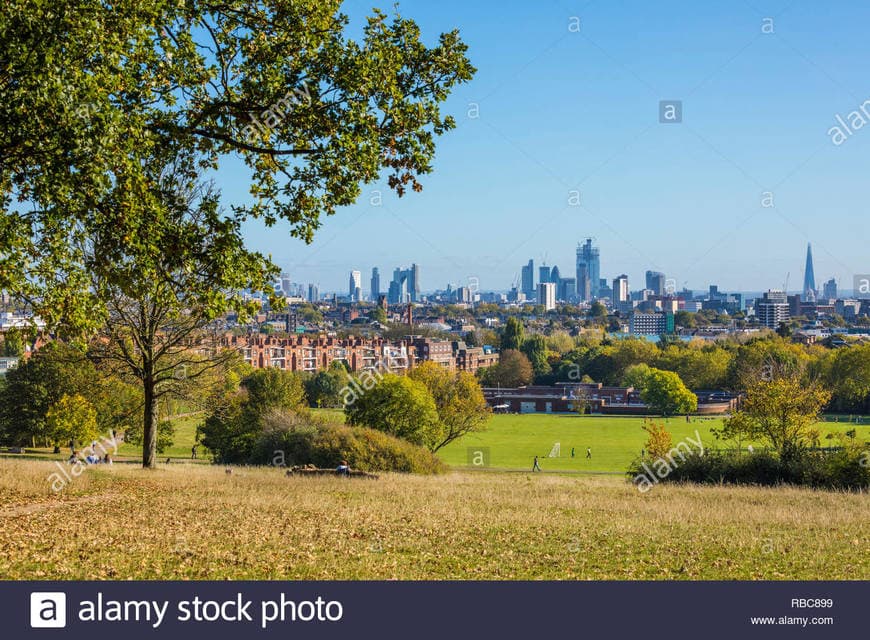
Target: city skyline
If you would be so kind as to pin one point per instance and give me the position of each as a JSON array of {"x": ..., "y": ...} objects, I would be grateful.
[
  {"x": 636, "y": 282},
  {"x": 724, "y": 196}
]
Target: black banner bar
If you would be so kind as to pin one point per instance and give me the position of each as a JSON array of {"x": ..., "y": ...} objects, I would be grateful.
[{"x": 422, "y": 610}]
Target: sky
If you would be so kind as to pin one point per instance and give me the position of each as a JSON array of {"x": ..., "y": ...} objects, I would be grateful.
[{"x": 555, "y": 109}]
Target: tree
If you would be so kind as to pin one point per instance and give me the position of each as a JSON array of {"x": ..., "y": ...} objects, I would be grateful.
[
  {"x": 275, "y": 389},
  {"x": 37, "y": 384},
  {"x": 13, "y": 343},
  {"x": 92, "y": 235},
  {"x": 459, "y": 400},
  {"x": 238, "y": 416},
  {"x": 659, "y": 442},
  {"x": 597, "y": 311},
  {"x": 779, "y": 411},
  {"x": 636, "y": 375},
  {"x": 163, "y": 296},
  {"x": 399, "y": 406},
  {"x": 535, "y": 348},
  {"x": 513, "y": 335},
  {"x": 848, "y": 377},
  {"x": 664, "y": 392},
  {"x": 323, "y": 389},
  {"x": 72, "y": 419},
  {"x": 513, "y": 370},
  {"x": 377, "y": 315}
]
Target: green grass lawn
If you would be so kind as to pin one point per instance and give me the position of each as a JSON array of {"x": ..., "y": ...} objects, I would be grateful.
[{"x": 514, "y": 440}]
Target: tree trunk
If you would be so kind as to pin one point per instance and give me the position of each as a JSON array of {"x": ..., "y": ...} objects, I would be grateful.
[{"x": 149, "y": 425}]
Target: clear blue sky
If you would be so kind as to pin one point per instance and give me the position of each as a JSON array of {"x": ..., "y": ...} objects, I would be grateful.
[{"x": 561, "y": 110}]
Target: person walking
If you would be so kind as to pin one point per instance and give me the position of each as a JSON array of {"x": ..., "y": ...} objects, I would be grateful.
[
  {"x": 588, "y": 453},
  {"x": 536, "y": 466},
  {"x": 193, "y": 452},
  {"x": 572, "y": 452}
]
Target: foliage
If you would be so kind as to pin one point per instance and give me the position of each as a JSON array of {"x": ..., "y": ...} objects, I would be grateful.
[
  {"x": 513, "y": 335},
  {"x": 535, "y": 348},
  {"x": 72, "y": 418},
  {"x": 665, "y": 393},
  {"x": 779, "y": 412},
  {"x": 13, "y": 343},
  {"x": 838, "y": 470},
  {"x": 399, "y": 406},
  {"x": 459, "y": 400},
  {"x": 165, "y": 435},
  {"x": 291, "y": 439},
  {"x": 659, "y": 442},
  {"x": 512, "y": 370},
  {"x": 38, "y": 383}
]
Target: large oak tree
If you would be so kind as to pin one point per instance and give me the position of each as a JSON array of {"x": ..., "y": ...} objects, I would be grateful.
[{"x": 93, "y": 94}]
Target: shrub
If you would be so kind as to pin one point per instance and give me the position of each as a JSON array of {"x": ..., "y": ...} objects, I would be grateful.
[
  {"x": 291, "y": 439},
  {"x": 843, "y": 468}
]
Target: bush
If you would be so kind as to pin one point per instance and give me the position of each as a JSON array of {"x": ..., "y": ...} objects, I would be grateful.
[
  {"x": 296, "y": 439},
  {"x": 843, "y": 468}
]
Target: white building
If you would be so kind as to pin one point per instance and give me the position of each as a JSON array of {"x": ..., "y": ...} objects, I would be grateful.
[{"x": 547, "y": 295}]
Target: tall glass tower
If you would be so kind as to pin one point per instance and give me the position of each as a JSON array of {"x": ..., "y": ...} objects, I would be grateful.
[
  {"x": 809, "y": 292},
  {"x": 588, "y": 271}
]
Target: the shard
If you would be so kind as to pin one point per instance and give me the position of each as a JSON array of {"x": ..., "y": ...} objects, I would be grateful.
[{"x": 809, "y": 291}]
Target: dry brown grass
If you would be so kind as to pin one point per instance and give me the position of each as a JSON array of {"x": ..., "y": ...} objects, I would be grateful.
[{"x": 197, "y": 522}]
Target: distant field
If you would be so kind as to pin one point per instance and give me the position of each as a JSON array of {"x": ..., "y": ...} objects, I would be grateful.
[
  {"x": 514, "y": 440},
  {"x": 186, "y": 521}
]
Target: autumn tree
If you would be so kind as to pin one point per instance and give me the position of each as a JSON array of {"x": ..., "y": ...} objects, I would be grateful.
[
  {"x": 664, "y": 392},
  {"x": 459, "y": 400},
  {"x": 401, "y": 407},
  {"x": 512, "y": 370},
  {"x": 778, "y": 410}
]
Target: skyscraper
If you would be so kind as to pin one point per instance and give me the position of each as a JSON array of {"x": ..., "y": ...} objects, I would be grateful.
[
  {"x": 809, "y": 291},
  {"x": 355, "y": 286},
  {"x": 588, "y": 271},
  {"x": 528, "y": 280},
  {"x": 313, "y": 293},
  {"x": 830, "y": 289},
  {"x": 375, "y": 284},
  {"x": 543, "y": 274},
  {"x": 620, "y": 289},
  {"x": 547, "y": 295},
  {"x": 405, "y": 286},
  {"x": 655, "y": 282}
]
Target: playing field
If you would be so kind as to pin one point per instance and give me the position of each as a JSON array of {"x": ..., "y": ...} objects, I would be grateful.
[{"x": 512, "y": 441}]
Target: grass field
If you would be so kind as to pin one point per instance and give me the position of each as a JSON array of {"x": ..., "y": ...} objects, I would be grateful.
[
  {"x": 514, "y": 440},
  {"x": 196, "y": 522}
]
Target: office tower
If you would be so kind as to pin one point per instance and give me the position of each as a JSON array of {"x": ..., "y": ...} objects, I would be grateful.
[
  {"x": 655, "y": 282},
  {"x": 528, "y": 279},
  {"x": 620, "y": 289},
  {"x": 588, "y": 271},
  {"x": 555, "y": 276},
  {"x": 285, "y": 284},
  {"x": 567, "y": 290},
  {"x": 313, "y": 293},
  {"x": 809, "y": 291},
  {"x": 405, "y": 286},
  {"x": 376, "y": 285},
  {"x": 547, "y": 295},
  {"x": 830, "y": 289},
  {"x": 772, "y": 309},
  {"x": 544, "y": 274},
  {"x": 414, "y": 284},
  {"x": 355, "y": 286}
]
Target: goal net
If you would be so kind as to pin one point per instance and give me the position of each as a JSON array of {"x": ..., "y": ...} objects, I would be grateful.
[{"x": 556, "y": 451}]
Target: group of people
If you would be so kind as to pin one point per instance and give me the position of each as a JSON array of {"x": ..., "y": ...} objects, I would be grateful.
[
  {"x": 91, "y": 457},
  {"x": 537, "y": 467}
]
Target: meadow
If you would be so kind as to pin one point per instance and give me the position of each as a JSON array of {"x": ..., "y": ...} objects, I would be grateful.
[{"x": 188, "y": 521}]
